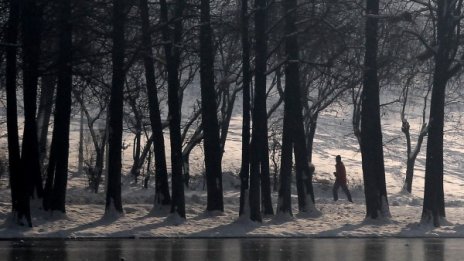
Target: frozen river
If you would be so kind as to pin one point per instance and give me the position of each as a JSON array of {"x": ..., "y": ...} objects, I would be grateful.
[{"x": 235, "y": 249}]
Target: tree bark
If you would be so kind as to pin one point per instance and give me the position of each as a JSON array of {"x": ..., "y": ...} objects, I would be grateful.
[
  {"x": 371, "y": 134},
  {"x": 284, "y": 204},
  {"x": 44, "y": 113},
  {"x": 213, "y": 170},
  {"x": 19, "y": 196},
  {"x": 172, "y": 53},
  {"x": 31, "y": 20},
  {"x": 259, "y": 116},
  {"x": 246, "y": 75},
  {"x": 433, "y": 210},
  {"x": 162, "y": 195},
  {"x": 113, "y": 193},
  {"x": 311, "y": 132},
  {"x": 55, "y": 193},
  {"x": 293, "y": 125},
  {"x": 80, "y": 164}
]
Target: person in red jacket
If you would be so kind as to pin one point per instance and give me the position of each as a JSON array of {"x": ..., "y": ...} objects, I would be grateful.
[{"x": 340, "y": 179}]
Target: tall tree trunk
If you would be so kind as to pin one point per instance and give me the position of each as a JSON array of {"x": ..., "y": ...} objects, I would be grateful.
[
  {"x": 375, "y": 188},
  {"x": 99, "y": 165},
  {"x": 284, "y": 203},
  {"x": 294, "y": 113},
  {"x": 19, "y": 196},
  {"x": 266, "y": 187},
  {"x": 409, "y": 174},
  {"x": 44, "y": 113},
  {"x": 147, "y": 176},
  {"x": 162, "y": 196},
  {"x": 210, "y": 124},
  {"x": 55, "y": 199},
  {"x": 31, "y": 20},
  {"x": 136, "y": 149},
  {"x": 259, "y": 125},
  {"x": 80, "y": 164},
  {"x": 246, "y": 74},
  {"x": 172, "y": 53},
  {"x": 311, "y": 132},
  {"x": 433, "y": 210},
  {"x": 113, "y": 193}
]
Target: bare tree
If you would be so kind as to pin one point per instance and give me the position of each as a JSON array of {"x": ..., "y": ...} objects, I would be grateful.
[
  {"x": 246, "y": 82},
  {"x": 375, "y": 188},
  {"x": 172, "y": 39},
  {"x": 113, "y": 193},
  {"x": 213, "y": 169},
  {"x": 57, "y": 174},
  {"x": 162, "y": 195},
  {"x": 19, "y": 196}
]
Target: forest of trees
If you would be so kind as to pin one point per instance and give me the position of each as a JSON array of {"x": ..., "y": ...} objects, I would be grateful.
[{"x": 126, "y": 66}]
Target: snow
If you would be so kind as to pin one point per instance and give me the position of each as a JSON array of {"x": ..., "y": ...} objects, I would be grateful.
[
  {"x": 85, "y": 210},
  {"x": 333, "y": 219}
]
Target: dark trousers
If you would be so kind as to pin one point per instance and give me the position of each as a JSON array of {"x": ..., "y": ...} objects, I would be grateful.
[{"x": 338, "y": 184}]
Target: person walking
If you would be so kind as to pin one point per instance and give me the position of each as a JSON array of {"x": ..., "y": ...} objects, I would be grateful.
[{"x": 340, "y": 179}]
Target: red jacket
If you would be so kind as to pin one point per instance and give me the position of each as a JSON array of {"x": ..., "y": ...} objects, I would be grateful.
[{"x": 340, "y": 174}]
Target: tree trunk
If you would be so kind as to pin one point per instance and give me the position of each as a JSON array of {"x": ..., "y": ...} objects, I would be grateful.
[
  {"x": 113, "y": 193},
  {"x": 55, "y": 195},
  {"x": 409, "y": 174},
  {"x": 284, "y": 204},
  {"x": 294, "y": 110},
  {"x": 172, "y": 54},
  {"x": 80, "y": 164},
  {"x": 213, "y": 170},
  {"x": 98, "y": 169},
  {"x": 266, "y": 187},
  {"x": 245, "y": 168},
  {"x": 162, "y": 195},
  {"x": 186, "y": 167},
  {"x": 259, "y": 123},
  {"x": 19, "y": 196},
  {"x": 310, "y": 137},
  {"x": 147, "y": 176},
  {"x": 44, "y": 113},
  {"x": 371, "y": 134},
  {"x": 433, "y": 210},
  {"x": 31, "y": 33},
  {"x": 136, "y": 149}
]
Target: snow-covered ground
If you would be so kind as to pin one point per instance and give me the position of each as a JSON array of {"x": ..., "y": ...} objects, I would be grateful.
[{"x": 84, "y": 217}]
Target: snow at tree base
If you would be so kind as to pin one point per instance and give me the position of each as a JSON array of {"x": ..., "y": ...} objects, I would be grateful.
[{"x": 85, "y": 209}]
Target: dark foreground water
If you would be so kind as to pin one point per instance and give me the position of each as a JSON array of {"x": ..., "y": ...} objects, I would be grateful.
[{"x": 235, "y": 249}]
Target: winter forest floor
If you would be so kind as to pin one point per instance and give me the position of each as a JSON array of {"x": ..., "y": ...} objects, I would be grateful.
[{"x": 84, "y": 217}]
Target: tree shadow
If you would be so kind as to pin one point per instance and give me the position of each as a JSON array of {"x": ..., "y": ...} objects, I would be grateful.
[
  {"x": 144, "y": 230},
  {"x": 238, "y": 228},
  {"x": 208, "y": 214},
  {"x": 347, "y": 228},
  {"x": 105, "y": 220}
]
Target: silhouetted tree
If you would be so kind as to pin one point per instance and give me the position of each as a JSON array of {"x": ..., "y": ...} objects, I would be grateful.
[
  {"x": 172, "y": 39},
  {"x": 293, "y": 131},
  {"x": 19, "y": 196},
  {"x": 113, "y": 193},
  {"x": 246, "y": 81},
  {"x": 448, "y": 15},
  {"x": 373, "y": 167},
  {"x": 31, "y": 21},
  {"x": 162, "y": 195},
  {"x": 57, "y": 173},
  {"x": 260, "y": 186},
  {"x": 213, "y": 170}
]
